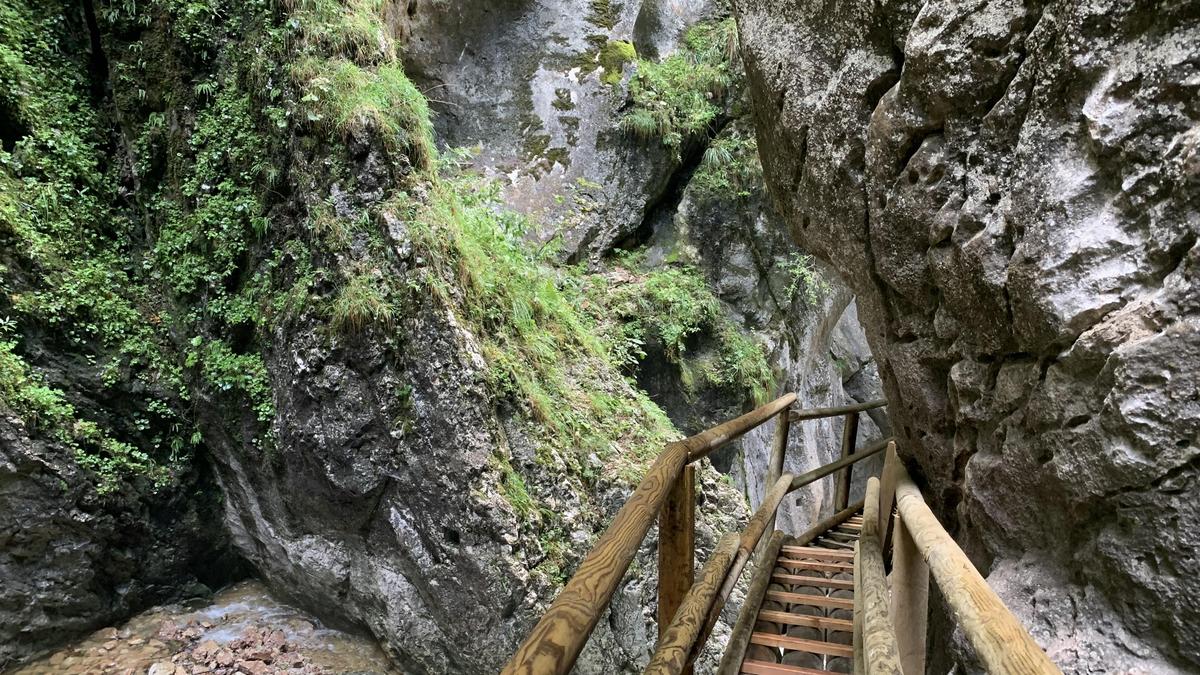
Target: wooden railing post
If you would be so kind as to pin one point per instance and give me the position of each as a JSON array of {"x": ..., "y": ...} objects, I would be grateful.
[
  {"x": 849, "y": 437},
  {"x": 676, "y": 547},
  {"x": 783, "y": 425},
  {"x": 910, "y": 600},
  {"x": 887, "y": 496}
]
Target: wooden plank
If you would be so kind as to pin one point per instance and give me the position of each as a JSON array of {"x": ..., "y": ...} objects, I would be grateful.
[
  {"x": 910, "y": 600},
  {"x": 801, "y": 580},
  {"x": 1000, "y": 641},
  {"x": 813, "y": 565},
  {"x": 857, "y": 664},
  {"x": 833, "y": 467},
  {"x": 739, "y": 638},
  {"x": 747, "y": 542},
  {"x": 841, "y": 625},
  {"x": 764, "y": 668},
  {"x": 836, "y": 543},
  {"x": 778, "y": 450},
  {"x": 841, "y": 493},
  {"x": 811, "y": 600},
  {"x": 879, "y": 651},
  {"x": 801, "y": 645},
  {"x": 676, "y": 547},
  {"x": 816, "y": 552},
  {"x": 840, "y": 536},
  {"x": 818, "y": 413},
  {"x": 555, "y": 642},
  {"x": 825, "y": 525},
  {"x": 674, "y": 649},
  {"x": 887, "y": 496}
]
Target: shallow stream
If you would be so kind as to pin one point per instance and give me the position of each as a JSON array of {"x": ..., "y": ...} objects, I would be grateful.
[{"x": 241, "y": 629}]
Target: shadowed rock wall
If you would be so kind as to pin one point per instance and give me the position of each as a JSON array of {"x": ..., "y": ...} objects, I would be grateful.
[{"x": 1011, "y": 189}]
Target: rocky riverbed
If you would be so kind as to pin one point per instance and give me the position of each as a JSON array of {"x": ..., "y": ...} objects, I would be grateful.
[{"x": 241, "y": 629}]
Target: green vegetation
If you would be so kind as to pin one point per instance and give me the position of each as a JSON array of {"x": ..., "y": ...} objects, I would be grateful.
[
  {"x": 673, "y": 305},
  {"x": 682, "y": 95},
  {"x": 613, "y": 57},
  {"x": 730, "y": 167},
  {"x": 542, "y": 350},
  {"x": 804, "y": 279},
  {"x": 349, "y": 99}
]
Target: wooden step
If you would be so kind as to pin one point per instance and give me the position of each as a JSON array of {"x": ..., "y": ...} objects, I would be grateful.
[
  {"x": 813, "y": 565},
  {"x": 790, "y": 619},
  {"x": 764, "y": 668},
  {"x": 811, "y": 600},
  {"x": 801, "y": 645},
  {"x": 805, "y": 580},
  {"x": 833, "y": 543},
  {"x": 814, "y": 552},
  {"x": 834, "y": 534}
]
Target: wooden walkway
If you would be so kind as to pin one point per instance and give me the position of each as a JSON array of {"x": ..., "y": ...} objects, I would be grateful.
[{"x": 805, "y": 617}]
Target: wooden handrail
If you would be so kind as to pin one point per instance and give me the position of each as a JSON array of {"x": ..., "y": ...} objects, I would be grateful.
[
  {"x": 818, "y": 413},
  {"x": 674, "y": 650},
  {"x": 704, "y": 443},
  {"x": 819, "y": 473},
  {"x": 739, "y": 639},
  {"x": 555, "y": 642},
  {"x": 755, "y": 528},
  {"x": 879, "y": 651},
  {"x": 999, "y": 639}
]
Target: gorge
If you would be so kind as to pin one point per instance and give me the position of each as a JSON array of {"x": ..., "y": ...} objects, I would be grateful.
[{"x": 389, "y": 304}]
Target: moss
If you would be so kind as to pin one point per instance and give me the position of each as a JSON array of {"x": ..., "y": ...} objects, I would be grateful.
[
  {"x": 360, "y": 303},
  {"x": 562, "y": 99},
  {"x": 613, "y": 57},
  {"x": 604, "y": 13}
]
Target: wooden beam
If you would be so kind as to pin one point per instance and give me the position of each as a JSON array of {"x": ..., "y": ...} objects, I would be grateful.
[
  {"x": 1000, "y": 641},
  {"x": 818, "y": 413},
  {"x": 833, "y": 467},
  {"x": 849, "y": 435},
  {"x": 747, "y": 542},
  {"x": 704, "y": 443},
  {"x": 675, "y": 648},
  {"x": 879, "y": 651},
  {"x": 739, "y": 639},
  {"x": 811, "y": 600},
  {"x": 910, "y": 600},
  {"x": 827, "y": 524},
  {"x": 840, "y": 625},
  {"x": 859, "y": 666},
  {"x": 887, "y": 496},
  {"x": 676, "y": 547},
  {"x": 555, "y": 642},
  {"x": 764, "y": 668},
  {"x": 778, "y": 450}
]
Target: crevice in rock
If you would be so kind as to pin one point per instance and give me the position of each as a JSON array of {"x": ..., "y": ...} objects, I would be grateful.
[
  {"x": 667, "y": 202},
  {"x": 97, "y": 59}
]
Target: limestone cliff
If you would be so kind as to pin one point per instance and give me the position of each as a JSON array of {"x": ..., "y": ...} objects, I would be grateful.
[{"x": 1011, "y": 189}]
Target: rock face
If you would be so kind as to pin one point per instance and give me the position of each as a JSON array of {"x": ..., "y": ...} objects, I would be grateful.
[
  {"x": 73, "y": 562},
  {"x": 1011, "y": 190},
  {"x": 536, "y": 86}
]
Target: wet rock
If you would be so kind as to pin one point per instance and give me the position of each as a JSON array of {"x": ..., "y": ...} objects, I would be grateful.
[{"x": 1009, "y": 189}]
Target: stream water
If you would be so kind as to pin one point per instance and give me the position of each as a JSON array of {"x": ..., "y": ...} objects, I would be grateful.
[{"x": 241, "y": 629}]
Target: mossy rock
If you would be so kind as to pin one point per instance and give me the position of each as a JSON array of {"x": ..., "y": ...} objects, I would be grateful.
[{"x": 613, "y": 57}]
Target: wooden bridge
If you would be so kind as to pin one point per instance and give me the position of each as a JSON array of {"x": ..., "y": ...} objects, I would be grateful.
[{"x": 822, "y": 602}]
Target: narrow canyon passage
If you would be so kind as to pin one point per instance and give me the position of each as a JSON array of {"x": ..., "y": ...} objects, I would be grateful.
[{"x": 371, "y": 315}]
